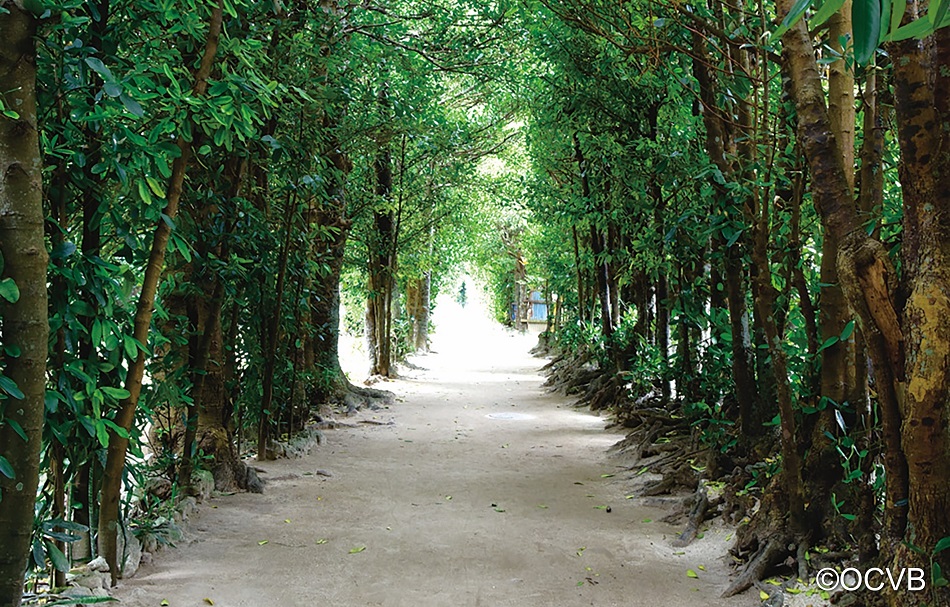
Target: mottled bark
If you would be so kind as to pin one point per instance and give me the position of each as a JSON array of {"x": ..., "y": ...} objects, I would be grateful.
[
  {"x": 921, "y": 91},
  {"x": 24, "y": 321},
  {"x": 865, "y": 271}
]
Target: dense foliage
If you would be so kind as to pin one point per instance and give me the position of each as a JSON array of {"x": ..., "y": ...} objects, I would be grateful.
[{"x": 735, "y": 215}]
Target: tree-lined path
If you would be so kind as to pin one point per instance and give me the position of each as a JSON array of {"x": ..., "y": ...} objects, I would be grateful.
[
  {"x": 731, "y": 218},
  {"x": 452, "y": 507}
]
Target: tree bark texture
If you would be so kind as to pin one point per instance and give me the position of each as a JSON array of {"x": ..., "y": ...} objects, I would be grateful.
[{"x": 24, "y": 322}]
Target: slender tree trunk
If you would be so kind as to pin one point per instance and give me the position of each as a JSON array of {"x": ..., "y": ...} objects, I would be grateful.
[
  {"x": 382, "y": 259},
  {"x": 837, "y": 370},
  {"x": 581, "y": 309},
  {"x": 25, "y": 320},
  {"x": 115, "y": 461},
  {"x": 273, "y": 333},
  {"x": 765, "y": 302},
  {"x": 743, "y": 376}
]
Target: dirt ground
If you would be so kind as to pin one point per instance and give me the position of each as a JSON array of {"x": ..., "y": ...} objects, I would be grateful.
[{"x": 458, "y": 502}]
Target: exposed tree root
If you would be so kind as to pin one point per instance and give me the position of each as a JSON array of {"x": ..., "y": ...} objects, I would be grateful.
[
  {"x": 229, "y": 471},
  {"x": 769, "y": 554},
  {"x": 352, "y": 398},
  {"x": 696, "y": 517}
]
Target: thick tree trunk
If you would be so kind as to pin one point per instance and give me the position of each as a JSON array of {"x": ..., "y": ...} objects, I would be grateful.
[
  {"x": 115, "y": 461},
  {"x": 864, "y": 269},
  {"x": 921, "y": 91},
  {"x": 25, "y": 321}
]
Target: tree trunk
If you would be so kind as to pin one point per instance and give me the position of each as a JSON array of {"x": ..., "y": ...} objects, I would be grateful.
[
  {"x": 273, "y": 335},
  {"x": 921, "y": 90},
  {"x": 765, "y": 302},
  {"x": 25, "y": 320},
  {"x": 743, "y": 376},
  {"x": 115, "y": 461},
  {"x": 864, "y": 269},
  {"x": 382, "y": 260}
]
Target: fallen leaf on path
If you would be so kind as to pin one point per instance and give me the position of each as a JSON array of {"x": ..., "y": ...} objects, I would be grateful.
[
  {"x": 629, "y": 497},
  {"x": 322, "y": 541},
  {"x": 448, "y": 497},
  {"x": 600, "y": 507},
  {"x": 647, "y": 520},
  {"x": 357, "y": 550},
  {"x": 209, "y": 601},
  {"x": 262, "y": 542},
  {"x": 499, "y": 510},
  {"x": 581, "y": 583},
  {"x": 287, "y": 520},
  {"x": 542, "y": 506},
  {"x": 164, "y": 603},
  {"x": 578, "y": 483},
  {"x": 606, "y": 475},
  {"x": 763, "y": 595},
  {"x": 702, "y": 567},
  {"x": 691, "y": 573},
  {"x": 580, "y": 551}
]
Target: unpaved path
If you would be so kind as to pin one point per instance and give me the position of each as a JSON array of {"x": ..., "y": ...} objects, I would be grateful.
[{"x": 445, "y": 507}]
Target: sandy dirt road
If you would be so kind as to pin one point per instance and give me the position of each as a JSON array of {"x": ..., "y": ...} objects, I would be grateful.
[{"x": 485, "y": 491}]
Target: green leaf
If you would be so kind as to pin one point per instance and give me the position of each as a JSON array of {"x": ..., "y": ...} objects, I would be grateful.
[
  {"x": 56, "y": 556},
  {"x": 848, "y": 330},
  {"x": 112, "y": 89},
  {"x": 829, "y": 342},
  {"x": 155, "y": 186},
  {"x": 39, "y": 556},
  {"x": 885, "y": 20},
  {"x": 132, "y": 105},
  {"x": 691, "y": 573},
  {"x": 9, "y": 386},
  {"x": 99, "y": 67},
  {"x": 942, "y": 545},
  {"x": 144, "y": 193},
  {"x": 102, "y": 434},
  {"x": 9, "y": 290},
  {"x": 122, "y": 432},
  {"x": 828, "y": 8},
  {"x": 866, "y": 17},
  {"x": 18, "y": 429},
  {"x": 897, "y": 14},
  {"x": 116, "y": 393},
  {"x": 919, "y": 28},
  {"x": 6, "y": 469},
  {"x": 357, "y": 550},
  {"x": 937, "y": 11},
  {"x": 794, "y": 14}
]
